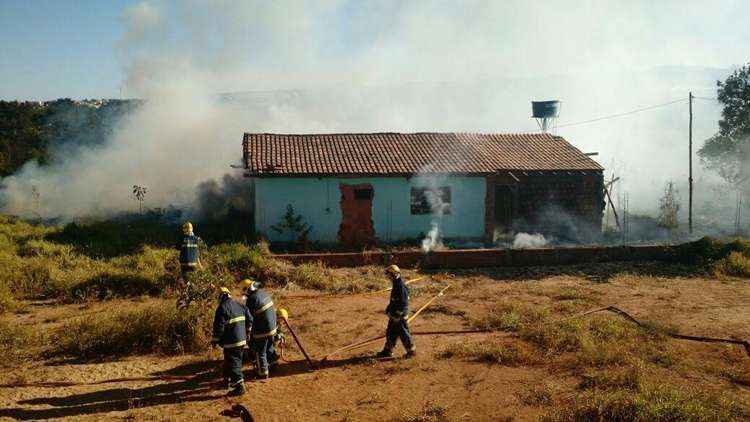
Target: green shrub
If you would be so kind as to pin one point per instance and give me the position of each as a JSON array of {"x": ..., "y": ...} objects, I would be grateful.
[
  {"x": 7, "y": 300},
  {"x": 11, "y": 270},
  {"x": 108, "y": 285},
  {"x": 736, "y": 264},
  {"x": 706, "y": 251},
  {"x": 158, "y": 327},
  {"x": 112, "y": 238},
  {"x": 41, "y": 248},
  {"x": 17, "y": 342}
]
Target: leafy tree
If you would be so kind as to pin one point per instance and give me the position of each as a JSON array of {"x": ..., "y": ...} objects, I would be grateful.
[
  {"x": 728, "y": 152},
  {"x": 30, "y": 130},
  {"x": 294, "y": 224}
]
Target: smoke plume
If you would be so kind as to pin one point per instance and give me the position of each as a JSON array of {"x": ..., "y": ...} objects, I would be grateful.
[
  {"x": 528, "y": 241},
  {"x": 208, "y": 71}
]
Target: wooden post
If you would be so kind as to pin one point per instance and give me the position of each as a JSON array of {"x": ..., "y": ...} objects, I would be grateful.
[{"x": 690, "y": 179}]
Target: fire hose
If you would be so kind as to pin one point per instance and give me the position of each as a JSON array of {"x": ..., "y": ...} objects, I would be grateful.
[
  {"x": 284, "y": 316},
  {"x": 374, "y": 339}
]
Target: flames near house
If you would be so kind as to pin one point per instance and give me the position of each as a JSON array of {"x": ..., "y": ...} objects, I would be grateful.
[{"x": 364, "y": 188}]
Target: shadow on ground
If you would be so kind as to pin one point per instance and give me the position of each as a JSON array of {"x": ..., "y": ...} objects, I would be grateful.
[{"x": 191, "y": 382}]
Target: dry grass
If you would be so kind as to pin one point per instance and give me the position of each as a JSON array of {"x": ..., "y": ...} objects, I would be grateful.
[
  {"x": 155, "y": 327},
  {"x": 431, "y": 412},
  {"x": 17, "y": 342},
  {"x": 657, "y": 402},
  {"x": 736, "y": 264},
  {"x": 510, "y": 316},
  {"x": 626, "y": 378},
  {"x": 536, "y": 396},
  {"x": 492, "y": 352},
  {"x": 35, "y": 262}
]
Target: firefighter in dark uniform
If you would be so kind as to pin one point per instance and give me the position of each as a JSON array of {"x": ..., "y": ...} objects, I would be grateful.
[
  {"x": 397, "y": 311},
  {"x": 190, "y": 259},
  {"x": 232, "y": 323},
  {"x": 261, "y": 307},
  {"x": 190, "y": 263}
]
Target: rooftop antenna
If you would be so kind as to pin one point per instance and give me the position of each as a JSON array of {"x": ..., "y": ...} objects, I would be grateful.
[{"x": 545, "y": 113}]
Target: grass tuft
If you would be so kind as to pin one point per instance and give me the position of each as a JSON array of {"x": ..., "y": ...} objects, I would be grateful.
[
  {"x": 431, "y": 412},
  {"x": 152, "y": 328},
  {"x": 654, "y": 403},
  {"x": 508, "y": 354},
  {"x": 16, "y": 341},
  {"x": 510, "y": 316},
  {"x": 736, "y": 264}
]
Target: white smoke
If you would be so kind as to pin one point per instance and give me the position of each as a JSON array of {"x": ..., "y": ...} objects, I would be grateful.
[
  {"x": 432, "y": 240},
  {"x": 434, "y": 183},
  {"x": 528, "y": 241},
  {"x": 337, "y": 66}
]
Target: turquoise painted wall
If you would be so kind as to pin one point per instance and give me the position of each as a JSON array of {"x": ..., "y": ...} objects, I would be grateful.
[{"x": 317, "y": 200}]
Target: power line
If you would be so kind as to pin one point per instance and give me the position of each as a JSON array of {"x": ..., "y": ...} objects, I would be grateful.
[
  {"x": 627, "y": 113},
  {"x": 706, "y": 98}
]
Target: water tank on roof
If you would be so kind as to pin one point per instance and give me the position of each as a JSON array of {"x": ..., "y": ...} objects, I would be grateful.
[
  {"x": 545, "y": 109},
  {"x": 545, "y": 113}
]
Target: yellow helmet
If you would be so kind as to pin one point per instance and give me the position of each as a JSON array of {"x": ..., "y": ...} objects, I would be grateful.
[
  {"x": 225, "y": 291},
  {"x": 393, "y": 270},
  {"x": 282, "y": 313},
  {"x": 187, "y": 228},
  {"x": 248, "y": 284}
]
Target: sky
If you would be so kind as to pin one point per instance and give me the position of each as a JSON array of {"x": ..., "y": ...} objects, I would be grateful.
[
  {"x": 354, "y": 66},
  {"x": 54, "y": 49}
]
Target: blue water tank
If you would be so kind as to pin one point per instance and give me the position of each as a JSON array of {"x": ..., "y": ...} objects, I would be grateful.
[{"x": 545, "y": 109}]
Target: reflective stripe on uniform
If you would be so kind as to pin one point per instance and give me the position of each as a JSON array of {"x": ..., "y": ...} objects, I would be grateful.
[
  {"x": 238, "y": 344},
  {"x": 264, "y": 335},
  {"x": 189, "y": 264},
  {"x": 264, "y": 308},
  {"x": 216, "y": 339},
  {"x": 236, "y": 319}
]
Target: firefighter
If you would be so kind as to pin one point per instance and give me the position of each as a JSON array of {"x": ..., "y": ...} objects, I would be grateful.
[
  {"x": 190, "y": 262},
  {"x": 261, "y": 307},
  {"x": 232, "y": 323},
  {"x": 397, "y": 310},
  {"x": 190, "y": 259}
]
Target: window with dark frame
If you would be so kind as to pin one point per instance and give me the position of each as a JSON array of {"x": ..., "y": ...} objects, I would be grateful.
[
  {"x": 363, "y": 193},
  {"x": 428, "y": 200}
]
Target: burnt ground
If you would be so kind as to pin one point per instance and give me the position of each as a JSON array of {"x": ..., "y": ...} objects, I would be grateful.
[{"x": 354, "y": 386}]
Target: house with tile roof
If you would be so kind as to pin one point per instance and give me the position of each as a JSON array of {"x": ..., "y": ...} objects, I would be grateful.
[{"x": 366, "y": 188}]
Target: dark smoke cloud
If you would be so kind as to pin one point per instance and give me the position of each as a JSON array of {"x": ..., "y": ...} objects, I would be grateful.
[{"x": 229, "y": 198}]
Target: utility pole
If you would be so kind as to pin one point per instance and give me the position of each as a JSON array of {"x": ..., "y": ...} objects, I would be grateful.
[{"x": 690, "y": 179}]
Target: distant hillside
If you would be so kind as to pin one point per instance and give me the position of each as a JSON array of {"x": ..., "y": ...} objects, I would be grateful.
[{"x": 31, "y": 130}]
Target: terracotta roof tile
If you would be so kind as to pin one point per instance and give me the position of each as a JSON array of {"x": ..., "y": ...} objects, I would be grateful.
[{"x": 409, "y": 153}]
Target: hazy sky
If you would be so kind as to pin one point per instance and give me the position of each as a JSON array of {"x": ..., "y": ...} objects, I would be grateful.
[
  {"x": 364, "y": 66},
  {"x": 53, "y": 49}
]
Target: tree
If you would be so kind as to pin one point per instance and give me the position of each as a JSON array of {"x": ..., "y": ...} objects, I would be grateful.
[
  {"x": 294, "y": 224},
  {"x": 669, "y": 207},
  {"x": 728, "y": 152},
  {"x": 139, "y": 193}
]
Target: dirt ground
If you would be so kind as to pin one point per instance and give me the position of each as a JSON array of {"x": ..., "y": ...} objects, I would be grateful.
[{"x": 354, "y": 386}]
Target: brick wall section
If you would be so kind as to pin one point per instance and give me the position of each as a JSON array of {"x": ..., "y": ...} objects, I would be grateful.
[
  {"x": 482, "y": 258},
  {"x": 552, "y": 203}
]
